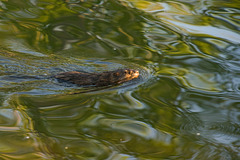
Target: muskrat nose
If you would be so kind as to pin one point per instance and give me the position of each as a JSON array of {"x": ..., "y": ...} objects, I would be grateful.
[{"x": 136, "y": 73}]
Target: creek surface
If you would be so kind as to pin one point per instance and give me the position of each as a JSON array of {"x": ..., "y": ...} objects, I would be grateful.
[{"x": 185, "y": 105}]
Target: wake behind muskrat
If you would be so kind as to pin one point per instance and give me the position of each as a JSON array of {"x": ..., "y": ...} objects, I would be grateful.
[{"x": 102, "y": 79}]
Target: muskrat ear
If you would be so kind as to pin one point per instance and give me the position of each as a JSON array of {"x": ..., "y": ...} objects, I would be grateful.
[{"x": 116, "y": 74}]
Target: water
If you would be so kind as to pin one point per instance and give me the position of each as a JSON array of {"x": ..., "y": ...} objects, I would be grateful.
[{"x": 185, "y": 106}]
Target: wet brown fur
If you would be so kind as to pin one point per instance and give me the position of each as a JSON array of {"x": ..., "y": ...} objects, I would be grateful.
[{"x": 99, "y": 79}]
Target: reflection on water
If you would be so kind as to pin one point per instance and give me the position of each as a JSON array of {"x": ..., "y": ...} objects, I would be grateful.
[{"x": 185, "y": 105}]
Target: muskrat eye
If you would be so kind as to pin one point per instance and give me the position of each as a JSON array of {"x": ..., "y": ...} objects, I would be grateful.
[{"x": 126, "y": 71}]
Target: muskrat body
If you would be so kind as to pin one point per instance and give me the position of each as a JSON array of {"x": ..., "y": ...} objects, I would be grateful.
[{"x": 108, "y": 78}]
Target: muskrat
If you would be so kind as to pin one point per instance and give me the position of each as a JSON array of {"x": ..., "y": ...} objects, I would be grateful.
[{"x": 107, "y": 78}]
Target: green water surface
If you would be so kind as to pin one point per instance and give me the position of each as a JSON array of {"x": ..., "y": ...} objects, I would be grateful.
[{"x": 186, "y": 104}]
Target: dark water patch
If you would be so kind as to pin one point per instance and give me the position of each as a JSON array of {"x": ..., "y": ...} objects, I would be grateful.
[
  {"x": 84, "y": 116},
  {"x": 86, "y": 149},
  {"x": 225, "y": 129},
  {"x": 20, "y": 144}
]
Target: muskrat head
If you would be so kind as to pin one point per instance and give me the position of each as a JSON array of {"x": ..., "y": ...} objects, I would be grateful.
[{"x": 123, "y": 75}]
